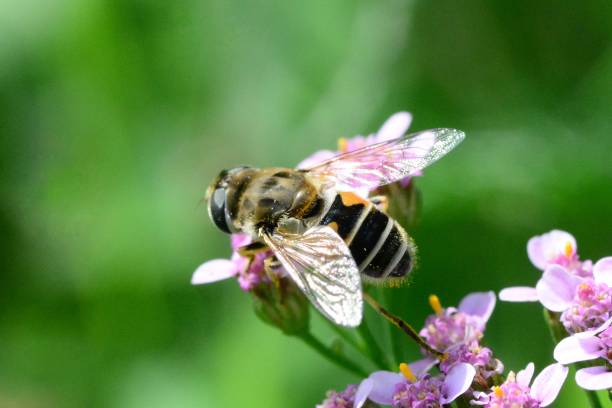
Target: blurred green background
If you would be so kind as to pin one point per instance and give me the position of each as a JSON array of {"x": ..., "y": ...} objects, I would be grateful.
[{"x": 115, "y": 115}]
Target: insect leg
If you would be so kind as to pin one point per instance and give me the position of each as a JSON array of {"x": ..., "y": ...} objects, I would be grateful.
[
  {"x": 271, "y": 265},
  {"x": 249, "y": 251},
  {"x": 405, "y": 327},
  {"x": 252, "y": 249}
]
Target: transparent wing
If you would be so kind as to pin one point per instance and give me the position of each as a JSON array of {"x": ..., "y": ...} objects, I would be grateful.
[
  {"x": 386, "y": 162},
  {"x": 321, "y": 265}
]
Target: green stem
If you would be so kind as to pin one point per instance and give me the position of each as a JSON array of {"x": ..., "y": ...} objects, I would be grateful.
[
  {"x": 593, "y": 399},
  {"x": 377, "y": 355},
  {"x": 462, "y": 402},
  {"x": 358, "y": 345},
  {"x": 397, "y": 341},
  {"x": 332, "y": 356},
  {"x": 557, "y": 331}
]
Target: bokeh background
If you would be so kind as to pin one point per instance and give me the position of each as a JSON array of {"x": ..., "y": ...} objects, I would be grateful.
[{"x": 115, "y": 115}]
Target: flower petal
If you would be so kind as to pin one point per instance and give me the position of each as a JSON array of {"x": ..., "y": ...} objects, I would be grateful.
[
  {"x": 481, "y": 398},
  {"x": 479, "y": 304},
  {"x": 574, "y": 348},
  {"x": 594, "y": 378},
  {"x": 363, "y": 391},
  {"x": 548, "y": 383},
  {"x": 422, "y": 366},
  {"x": 239, "y": 240},
  {"x": 383, "y": 386},
  {"x": 602, "y": 271},
  {"x": 394, "y": 127},
  {"x": 212, "y": 271},
  {"x": 518, "y": 294},
  {"x": 457, "y": 381},
  {"x": 556, "y": 288},
  {"x": 523, "y": 377},
  {"x": 316, "y": 158},
  {"x": 545, "y": 248}
]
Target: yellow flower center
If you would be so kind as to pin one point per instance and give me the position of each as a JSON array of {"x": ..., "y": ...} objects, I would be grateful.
[
  {"x": 434, "y": 302},
  {"x": 407, "y": 372},
  {"x": 569, "y": 250},
  {"x": 498, "y": 392},
  {"x": 342, "y": 145}
]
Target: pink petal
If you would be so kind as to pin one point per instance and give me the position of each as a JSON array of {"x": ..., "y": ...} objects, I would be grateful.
[
  {"x": 363, "y": 391},
  {"x": 394, "y": 127},
  {"x": 594, "y": 378},
  {"x": 481, "y": 398},
  {"x": 212, "y": 271},
  {"x": 519, "y": 294},
  {"x": 602, "y": 271},
  {"x": 548, "y": 383},
  {"x": 545, "y": 248},
  {"x": 383, "y": 386},
  {"x": 479, "y": 304},
  {"x": 239, "y": 240},
  {"x": 572, "y": 349},
  {"x": 457, "y": 381},
  {"x": 523, "y": 377},
  {"x": 316, "y": 158},
  {"x": 422, "y": 366},
  {"x": 556, "y": 288}
]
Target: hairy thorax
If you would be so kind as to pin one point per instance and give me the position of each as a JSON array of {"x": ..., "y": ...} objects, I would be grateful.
[{"x": 270, "y": 196}]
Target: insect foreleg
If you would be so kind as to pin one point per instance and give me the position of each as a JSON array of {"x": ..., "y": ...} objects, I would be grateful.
[{"x": 252, "y": 249}]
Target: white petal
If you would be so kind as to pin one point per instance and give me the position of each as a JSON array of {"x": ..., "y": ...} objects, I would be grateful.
[
  {"x": 518, "y": 294},
  {"x": 556, "y": 288},
  {"x": 572, "y": 349},
  {"x": 212, "y": 271},
  {"x": 594, "y": 378},
  {"x": 548, "y": 383},
  {"x": 394, "y": 127},
  {"x": 422, "y": 366},
  {"x": 602, "y": 271},
  {"x": 479, "y": 304},
  {"x": 383, "y": 386},
  {"x": 523, "y": 377},
  {"x": 363, "y": 391},
  {"x": 457, "y": 381}
]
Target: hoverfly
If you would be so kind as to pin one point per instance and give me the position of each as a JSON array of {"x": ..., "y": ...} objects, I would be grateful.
[{"x": 327, "y": 237}]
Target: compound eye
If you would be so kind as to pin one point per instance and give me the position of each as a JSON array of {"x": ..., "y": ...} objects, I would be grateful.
[{"x": 216, "y": 209}]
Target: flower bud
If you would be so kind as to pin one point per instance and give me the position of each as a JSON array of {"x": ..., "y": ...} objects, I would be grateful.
[{"x": 283, "y": 305}]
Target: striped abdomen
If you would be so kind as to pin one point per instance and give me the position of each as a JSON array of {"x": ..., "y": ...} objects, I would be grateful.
[{"x": 379, "y": 245}]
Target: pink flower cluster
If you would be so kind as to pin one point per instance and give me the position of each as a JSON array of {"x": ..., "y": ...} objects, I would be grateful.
[
  {"x": 457, "y": 331},
  {"x": 342, "y": 399},
  {"x": 582, "y": 293},
  {"x": 516, "y": 392},
  {"x": 237, "y": 266}
]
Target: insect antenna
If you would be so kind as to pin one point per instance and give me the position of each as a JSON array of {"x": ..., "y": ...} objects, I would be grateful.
[{"x": 403, "y": 326}]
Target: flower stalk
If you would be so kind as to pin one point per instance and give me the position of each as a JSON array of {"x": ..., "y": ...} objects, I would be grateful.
[
  {"x": 373, "y": 349},
  {"x": 331, "y": 355}
]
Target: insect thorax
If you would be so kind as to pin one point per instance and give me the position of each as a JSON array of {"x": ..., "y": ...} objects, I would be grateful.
[{"x": 261, "y": 198}]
